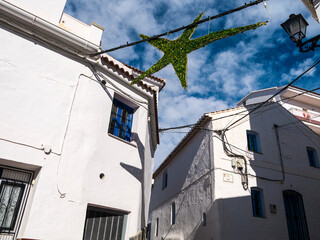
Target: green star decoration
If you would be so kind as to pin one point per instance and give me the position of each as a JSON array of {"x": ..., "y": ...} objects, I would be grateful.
[{"x": 176, "y": 51}]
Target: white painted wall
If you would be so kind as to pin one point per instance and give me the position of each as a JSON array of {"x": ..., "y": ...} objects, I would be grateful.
[
  {"x": 229, "y": 207},
  {"x": 49, "y": 10},
  {"x": 50, "y": 98},
  {"x": 189, "y": 179}
]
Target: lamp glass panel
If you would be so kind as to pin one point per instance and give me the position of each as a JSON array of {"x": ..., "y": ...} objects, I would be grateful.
[
  {"x": 303, "y": 26},
  {"x": 294, "y": 27}
]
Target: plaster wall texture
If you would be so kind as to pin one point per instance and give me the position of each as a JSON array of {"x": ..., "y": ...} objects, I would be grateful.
[
  {"x": 92, "y": 33},
  {"x": 189, "y": 181},
  {"x": 228, "y": 206},
  {"x": 52, "y": 99}
]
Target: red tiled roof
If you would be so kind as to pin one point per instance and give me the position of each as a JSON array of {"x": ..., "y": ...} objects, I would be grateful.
[
  {"x": 153, "y": 77},
  {"x": 130, "y": 76}
]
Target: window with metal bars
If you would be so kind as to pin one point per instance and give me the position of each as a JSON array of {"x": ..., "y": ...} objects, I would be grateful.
[
  {"x": 104, "y": 224},
  {"x": 257, "y": 202},
  {"x": 10, "y": 199},
  {"x": 14, "y": 186},
  {"x": 295, "y": 214},
  {"x": 121, "y": 120}
]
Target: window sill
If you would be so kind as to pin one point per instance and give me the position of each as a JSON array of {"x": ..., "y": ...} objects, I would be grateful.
[
  {"x": 256, "y": 152},
  {"x": 122, "y": 140},
  {"x": 314, "y": 167}
]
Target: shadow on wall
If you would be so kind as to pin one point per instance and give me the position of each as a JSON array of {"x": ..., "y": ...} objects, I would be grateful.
[
  {"x": 138, "y": 173},
  {"x": 193, "y": 162},
  {"x": 281, "y": 141},
  {"x": 226, "y": 219}
]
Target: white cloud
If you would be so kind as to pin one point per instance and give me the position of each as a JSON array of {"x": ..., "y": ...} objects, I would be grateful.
[
  {"x": 217, "y": 77},
  {"x": 177, "y": 110},
  {"x": 298, "y": 70}
]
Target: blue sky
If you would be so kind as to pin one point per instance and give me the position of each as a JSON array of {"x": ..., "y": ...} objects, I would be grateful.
[{"x": 220, "y": 74}]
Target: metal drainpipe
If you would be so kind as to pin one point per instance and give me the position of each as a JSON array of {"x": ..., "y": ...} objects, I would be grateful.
[{"x": 280, "y": 152}]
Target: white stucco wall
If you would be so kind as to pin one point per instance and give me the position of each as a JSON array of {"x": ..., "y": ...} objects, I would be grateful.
[
  {"x": 53, "y": 100},
  {"x": 236, "y": 209},
  {"x": 229, "y": 212},
  {"x": 189, "y": 186},
  {"x": 49, "y": 10}
]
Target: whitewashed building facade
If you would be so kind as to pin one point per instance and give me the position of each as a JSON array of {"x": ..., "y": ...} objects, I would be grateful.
[
  {"x": 203, "y": 189},
  {"x": 76, "y": 140}
]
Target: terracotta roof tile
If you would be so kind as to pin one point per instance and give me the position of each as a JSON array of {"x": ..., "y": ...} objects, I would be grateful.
[
  {"x": 153, "y": 77},
  {"x": 128, "y": 74}
]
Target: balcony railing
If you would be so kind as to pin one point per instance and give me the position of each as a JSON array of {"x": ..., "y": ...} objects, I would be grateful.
[{"x": 307, "y": 116}]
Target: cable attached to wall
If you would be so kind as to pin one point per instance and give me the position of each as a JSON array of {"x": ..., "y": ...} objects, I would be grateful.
[{"x": 229, "y": 153}]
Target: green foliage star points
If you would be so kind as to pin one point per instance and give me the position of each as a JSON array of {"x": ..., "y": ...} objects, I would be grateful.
[{"x": 176, "y": 51}]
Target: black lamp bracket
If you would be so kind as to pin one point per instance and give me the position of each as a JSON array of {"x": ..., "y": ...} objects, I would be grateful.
[{"x": 311, "y": 44}]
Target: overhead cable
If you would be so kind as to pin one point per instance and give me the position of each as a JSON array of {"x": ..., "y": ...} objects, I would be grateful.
[
  {"x": 235, "y": 114},
  {"x": 181, "y": 28},
  {"x": 284, "y": 88}
]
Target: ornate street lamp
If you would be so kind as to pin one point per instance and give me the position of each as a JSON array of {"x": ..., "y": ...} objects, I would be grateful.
[{"x": 296, "y": 27}]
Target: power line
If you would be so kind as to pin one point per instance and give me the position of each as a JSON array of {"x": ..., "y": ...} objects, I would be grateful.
[
  {"x": 269, "y": 103},
  {"x": 238, "y": 113},
  {"x": 284, "y": 88},
  {"x": 229, "y": 152},
  {"x": 180, "y": 28}
]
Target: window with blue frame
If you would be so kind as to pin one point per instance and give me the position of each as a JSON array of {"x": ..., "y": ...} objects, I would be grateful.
[
  {"x": 257, "y": 202},
  {"x": 253, "y": 142},
  {"x": 313, "y": 157},
  {"x": 121, "y": 120}
]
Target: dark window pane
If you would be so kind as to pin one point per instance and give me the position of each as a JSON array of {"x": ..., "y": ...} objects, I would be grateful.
[
  {"x": 103, "y": 225},
  {"x": 164, "y": 180},
  {"x": 295, "y": 214},
  {"x": 173, "y": 213},
  {"x": 10, "y": 200},
  {"x": 312, "y": 156},
  {"x": 256, "y": 203}
]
